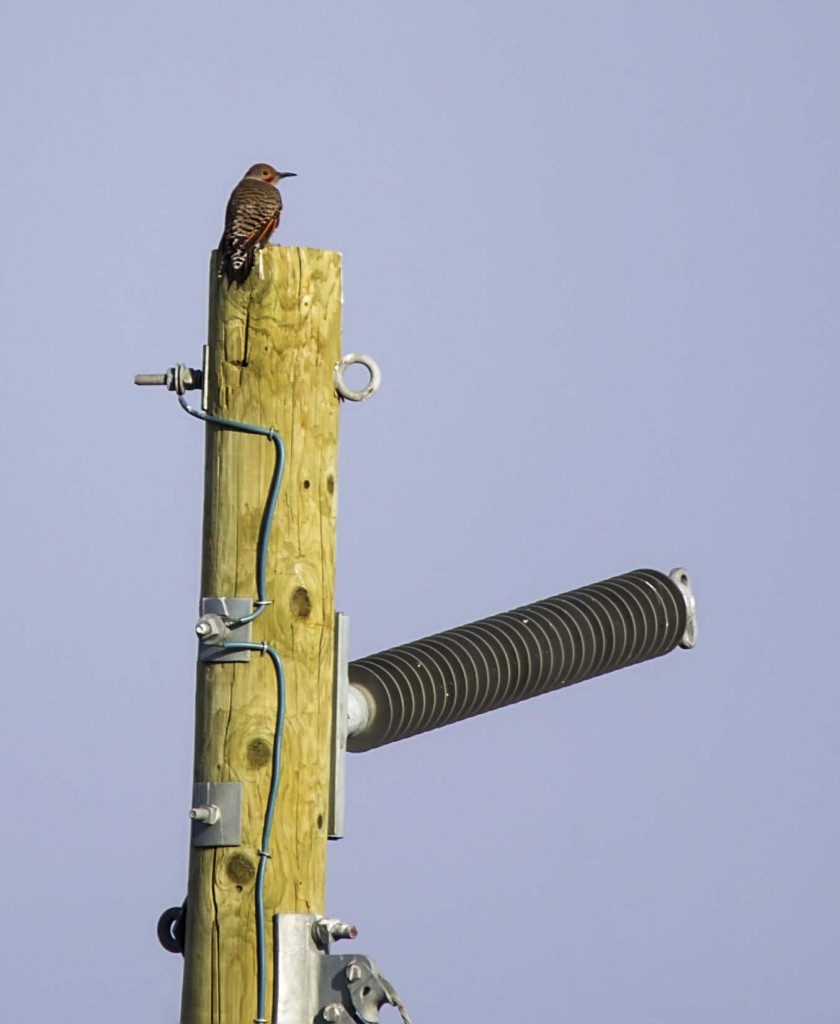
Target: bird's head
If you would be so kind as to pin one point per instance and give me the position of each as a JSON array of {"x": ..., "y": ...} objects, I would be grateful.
[{"x": 266, "y": 173}]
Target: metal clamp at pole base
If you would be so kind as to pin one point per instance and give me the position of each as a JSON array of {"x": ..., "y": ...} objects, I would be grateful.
[
  {"x": 311, "y": 984},
  {"x": 364, "y": 991}
]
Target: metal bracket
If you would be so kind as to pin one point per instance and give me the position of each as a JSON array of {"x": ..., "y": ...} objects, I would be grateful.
[
  {"x": 296, "y": 968},
  {"x": 313, "y": 985},
  {"x": 683, "y": 581},
  {"x": 216, "y": 814},
  {"x": 354, "y": 983},
  {"x": 341, "y": 685},
  {"x": 212, "y": 630}
]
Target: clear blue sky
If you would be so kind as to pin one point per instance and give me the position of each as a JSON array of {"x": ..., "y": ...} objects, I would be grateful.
[{"x": 594, "y": 246}]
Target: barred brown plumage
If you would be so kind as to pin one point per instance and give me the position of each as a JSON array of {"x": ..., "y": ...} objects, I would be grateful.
[{"x": 252, "y": 215}]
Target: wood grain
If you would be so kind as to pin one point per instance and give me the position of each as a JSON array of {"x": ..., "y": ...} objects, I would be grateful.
[{"x": 273, "y": 344}]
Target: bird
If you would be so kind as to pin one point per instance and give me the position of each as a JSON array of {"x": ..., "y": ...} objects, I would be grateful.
[{"x": 252, "y": 215}]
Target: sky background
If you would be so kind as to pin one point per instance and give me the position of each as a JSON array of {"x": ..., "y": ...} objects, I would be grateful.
[{"x": 594, "y": 247}]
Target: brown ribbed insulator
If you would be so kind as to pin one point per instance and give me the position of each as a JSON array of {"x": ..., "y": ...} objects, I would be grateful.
[{"x": 506, "y": 658}]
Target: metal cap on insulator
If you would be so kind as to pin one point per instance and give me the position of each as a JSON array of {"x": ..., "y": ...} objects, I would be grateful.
[{"x": 509, "y": 657}]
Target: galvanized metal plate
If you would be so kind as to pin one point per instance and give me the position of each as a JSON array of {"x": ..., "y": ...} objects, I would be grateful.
[
  {"x": 297, "y": 966},
  {"x": 335, "y": 824},
  {"x": 228, "y": 608},
  {"x": 227, "y": 796}
]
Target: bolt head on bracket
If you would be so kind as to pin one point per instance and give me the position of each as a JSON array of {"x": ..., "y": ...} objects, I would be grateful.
[
  {"x": 208, "y": 813},
  {"x": 212, "y": 629},
  {"x": 216, "y": 814},
  {"x": 335, "y": 1013}
]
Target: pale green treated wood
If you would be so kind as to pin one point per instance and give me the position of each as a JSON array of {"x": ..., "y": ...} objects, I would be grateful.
[{"x": 273, "y": 345}]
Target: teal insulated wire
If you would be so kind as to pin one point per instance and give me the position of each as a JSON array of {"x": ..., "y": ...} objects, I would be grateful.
[
  {"x": 270, "y": 505},
  {"x": 270, "y": 807},
  {"x": 264, "y": 648}
]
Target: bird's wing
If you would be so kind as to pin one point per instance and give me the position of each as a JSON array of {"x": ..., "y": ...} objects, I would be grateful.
[
  {"x": 266, "y": 233},
  {"x": 251, "y": 217}
]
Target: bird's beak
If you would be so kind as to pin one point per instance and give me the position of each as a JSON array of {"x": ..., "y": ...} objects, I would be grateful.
[{"x": 286, "y": 174}]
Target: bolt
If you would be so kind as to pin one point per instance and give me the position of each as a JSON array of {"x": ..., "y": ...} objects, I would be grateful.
[
  {"x": 178, "y": 378},
  {"x": 208, "y": 813},
  {"x": 353, "y": 972},
  {"x": 211, "y": 627},
  {"x": 332, "y": 1012},
  {"x": 327, "y": 929}
]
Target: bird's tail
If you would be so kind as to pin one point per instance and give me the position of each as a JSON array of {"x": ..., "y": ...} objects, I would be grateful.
[{"x": 236, "y": 265}]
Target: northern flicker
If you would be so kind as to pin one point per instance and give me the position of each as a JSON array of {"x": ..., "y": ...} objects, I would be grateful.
[{"x": 253, "y": 213}]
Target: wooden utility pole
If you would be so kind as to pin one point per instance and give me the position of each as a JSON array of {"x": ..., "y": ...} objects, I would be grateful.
[{"x": 273, "y": 343}]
